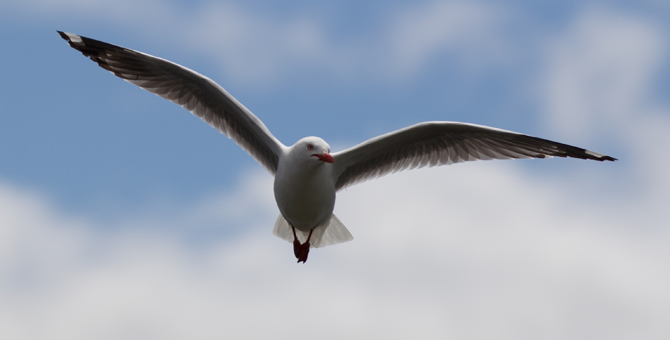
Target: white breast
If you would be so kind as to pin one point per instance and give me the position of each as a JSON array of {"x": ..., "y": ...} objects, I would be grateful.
[{"x": 305, "y": 192}]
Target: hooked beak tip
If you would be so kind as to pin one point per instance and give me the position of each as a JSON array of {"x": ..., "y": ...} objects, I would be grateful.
[{"x": 326, "y": 157}]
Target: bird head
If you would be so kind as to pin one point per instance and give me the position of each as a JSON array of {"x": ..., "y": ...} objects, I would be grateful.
[{"x": 313, "y": 148}]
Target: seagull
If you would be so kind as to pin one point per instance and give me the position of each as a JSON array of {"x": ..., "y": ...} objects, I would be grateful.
[{"x": 307, "y": 175}]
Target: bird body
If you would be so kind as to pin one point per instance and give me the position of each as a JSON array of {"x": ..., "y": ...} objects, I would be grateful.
[
  {"x": 304, "y": 187},
  {"x": 307, "y": 175}
]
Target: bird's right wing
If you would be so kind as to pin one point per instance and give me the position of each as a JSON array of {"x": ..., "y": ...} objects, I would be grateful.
[
  {"x": 442, "y": 143},
  {"x": 193, "y": 91}
]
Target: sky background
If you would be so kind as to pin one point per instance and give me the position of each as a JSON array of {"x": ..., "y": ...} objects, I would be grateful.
[{"x": 123, "y": 216}]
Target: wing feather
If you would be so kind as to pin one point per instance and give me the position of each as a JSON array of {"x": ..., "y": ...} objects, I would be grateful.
[
  {"x": 198, "y": 94},
  {"x": 443, "y": 143}
]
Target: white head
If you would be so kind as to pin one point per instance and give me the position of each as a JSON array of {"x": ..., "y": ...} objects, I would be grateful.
[{"x": 312, "y": 149}]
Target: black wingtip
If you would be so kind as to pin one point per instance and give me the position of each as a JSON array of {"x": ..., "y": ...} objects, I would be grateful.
[
  {"x": 63, "y": 35},
  {"x": 600, "y": 157},
  {"x": 596, "y": 156}
]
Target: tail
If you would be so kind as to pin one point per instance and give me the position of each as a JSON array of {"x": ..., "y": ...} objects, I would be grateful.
[{"x": 324, "y": 235}]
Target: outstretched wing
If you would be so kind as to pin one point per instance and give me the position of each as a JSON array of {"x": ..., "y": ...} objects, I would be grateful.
[
  {"x": 442, "y": 143},
  {"x": 193, "y": 91}
]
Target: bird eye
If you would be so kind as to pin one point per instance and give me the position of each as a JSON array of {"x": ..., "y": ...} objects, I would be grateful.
[{"x": 310, "y": 147}]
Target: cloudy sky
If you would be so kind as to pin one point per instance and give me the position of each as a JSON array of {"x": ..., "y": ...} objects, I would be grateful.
[{"x": 123, "y": 216}]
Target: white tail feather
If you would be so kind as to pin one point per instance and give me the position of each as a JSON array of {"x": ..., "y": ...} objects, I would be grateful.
[{"x": 324, "y": 235}]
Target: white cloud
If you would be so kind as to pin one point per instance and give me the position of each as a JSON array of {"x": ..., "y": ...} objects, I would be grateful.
[
  {"x": 264, "y": 48},
  {"x": 261, "y": 48},
  {"x": 601, "y": 72},
  {"x": 467, "y": 29},
  {"x": 470, "y": 251},
  {"x": 599, "y": 83}
]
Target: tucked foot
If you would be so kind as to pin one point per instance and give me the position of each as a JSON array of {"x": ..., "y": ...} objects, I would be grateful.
[
  {"x": 304, "y": 251},
  {"x": 301, "y": 250}
]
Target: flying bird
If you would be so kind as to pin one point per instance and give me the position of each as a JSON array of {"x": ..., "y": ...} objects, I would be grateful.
[{"x": 307, "y": 175}]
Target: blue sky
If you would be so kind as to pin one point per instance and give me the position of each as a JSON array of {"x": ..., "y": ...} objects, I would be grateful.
[
  {"x": 123, "y": 210},
  {"x": 345, "y": 84}
]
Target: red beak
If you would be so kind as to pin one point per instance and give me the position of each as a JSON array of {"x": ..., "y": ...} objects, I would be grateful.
[{"x": 326, "y": 157}]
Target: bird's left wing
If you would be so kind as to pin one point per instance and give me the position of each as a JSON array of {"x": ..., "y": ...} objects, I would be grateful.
[
  {"x": 442, "y": 143},
  {"x": 193, "y": 91}
]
